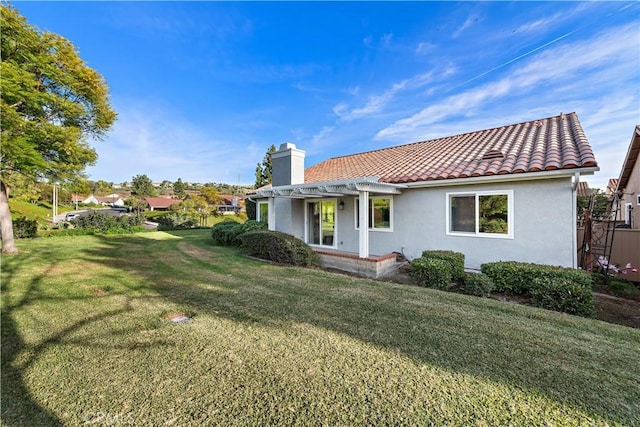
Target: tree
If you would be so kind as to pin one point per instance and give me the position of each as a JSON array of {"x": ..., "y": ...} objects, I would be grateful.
[
  {"x": 178, "y": 188},
  {"x": 264, "y": 170},
  {"x": 52, "y": 103},
  {"x": 166, "y": 188},
  {"x": 210, "y": 194},
  {"x": 102, "y": 188},
  {"x": 142, "y": 186}
]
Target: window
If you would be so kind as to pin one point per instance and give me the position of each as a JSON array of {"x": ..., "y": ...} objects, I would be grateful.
[
  {"x": 483, "y": 213},
  {"x": 263, "y": 212},
  {"x": 380, "y": 213},
  {"x": 321, "y": 223},
  {"x": 638, "y": 199}
]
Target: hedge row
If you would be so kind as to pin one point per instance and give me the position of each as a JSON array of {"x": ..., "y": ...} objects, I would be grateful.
[
  {"x": 227, "y": 233},
  {"x": 554, "y": 288},
  {"x": 253, "y": 239},
  {"x": 279, "y": 247}
]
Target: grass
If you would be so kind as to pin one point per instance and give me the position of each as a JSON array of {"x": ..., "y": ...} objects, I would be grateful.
[{"x": 86, "y": 340}]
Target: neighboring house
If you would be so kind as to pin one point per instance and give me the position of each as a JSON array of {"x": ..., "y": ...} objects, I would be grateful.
[
  {"x": 628, "y": 185},
  {"x": 160, "y": 203},
  {"x": 582, "y": 190},
  {"x": 111, "y": 200},
  {"x": 229, "y": 204},
  {"x": 507, "y": 193}
]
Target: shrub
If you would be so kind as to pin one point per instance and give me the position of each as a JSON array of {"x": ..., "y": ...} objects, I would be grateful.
[
  {"x": 455, "y": 259},
  {"x": 101, "y": 222},
  {"x": 554, "y": 288},
  {"x": 175, "y": 221},
  {"x": 220, "y": 233},
  {"x": 517, "y": 277},
  {"x": 227, "y": 233},
  {"x": 477, "y": 284},
  {"x": 431, "y": 272},
  {"x": 565, "y": 295},
  {"x": 278, "y": 247},
  {"x": 24, "y": 228}
]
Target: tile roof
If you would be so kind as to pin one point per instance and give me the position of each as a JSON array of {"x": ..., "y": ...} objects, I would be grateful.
[
  {"x": 583, "y": 189},
  {"x": 161, "y": 202},
  {"x": 541, "y": 145}
]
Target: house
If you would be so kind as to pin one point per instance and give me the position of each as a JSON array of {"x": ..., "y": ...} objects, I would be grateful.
[
  {"x": 507, "y": 193},
  {"x": 111, "y": 200},
  {"x": 160, "y": 203},
  {"x": 628, "y": 185},
  {"x": 230, "y": 204}
]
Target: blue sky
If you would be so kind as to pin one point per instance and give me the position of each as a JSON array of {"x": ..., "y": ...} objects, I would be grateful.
[{"x": 202, "y": 89}]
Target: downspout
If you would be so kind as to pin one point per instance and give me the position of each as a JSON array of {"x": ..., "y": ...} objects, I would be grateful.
[{"x": 574, "y": 215}]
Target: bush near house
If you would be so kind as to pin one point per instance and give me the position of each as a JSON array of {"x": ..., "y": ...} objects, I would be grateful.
[
  {"x": 431, "y": 272},
  {"x": 551, "y": 287},
  {"x": 455, "y": 260},
  {"x": 477, "y": 284},
  {"x": 278, "y": 247},
  {"x": 227, "y": 233}
]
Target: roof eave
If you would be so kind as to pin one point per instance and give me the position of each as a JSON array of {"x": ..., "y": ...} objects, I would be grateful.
[
  {"x": 629, "y": 160},
  {"x": 525, "y": 176}
]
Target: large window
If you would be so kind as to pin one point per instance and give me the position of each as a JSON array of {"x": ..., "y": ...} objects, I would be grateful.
[
  {"x": 484, "y": 213},
  {"x": 321, "y": 222},
  {"x": 380, "y": 213},
  {"x": 263, "y": 212}
]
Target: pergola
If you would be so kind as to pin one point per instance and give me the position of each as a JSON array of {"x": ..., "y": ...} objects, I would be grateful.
[{"x": 361, "y": 187}]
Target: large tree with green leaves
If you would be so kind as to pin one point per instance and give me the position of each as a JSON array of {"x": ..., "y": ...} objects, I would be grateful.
[
  {"x": 52, "y": 105},
  {"x": 142, "y": 186}
]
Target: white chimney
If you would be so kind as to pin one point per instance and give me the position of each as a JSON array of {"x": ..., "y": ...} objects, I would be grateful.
[{"x": 287, "y": 165}]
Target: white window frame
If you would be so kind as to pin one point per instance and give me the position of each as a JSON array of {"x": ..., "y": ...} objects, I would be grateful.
[
  {"x": 477, "y": 233},
  {"x": 356, "y": 206},
  {"x": 638, "y": 196},
  {"x": 266, "y": 220},
  {"x": 335, "y": 219}
]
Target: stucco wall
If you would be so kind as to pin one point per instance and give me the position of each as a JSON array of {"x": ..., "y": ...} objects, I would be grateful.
[
  {"x": 630, "y": 195},
  {"x": 543, "y": 225}
]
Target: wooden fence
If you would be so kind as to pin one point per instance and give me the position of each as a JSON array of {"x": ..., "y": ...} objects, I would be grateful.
[{"x": 626, "y": 248}]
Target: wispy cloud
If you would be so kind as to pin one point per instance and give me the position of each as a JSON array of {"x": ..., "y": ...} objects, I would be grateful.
[
  {"x": 472, "y": 19},
  {"x": 424, "y": 47},
  {"x": 543, "y": 74},
  {"x": 377, "y": 103}
]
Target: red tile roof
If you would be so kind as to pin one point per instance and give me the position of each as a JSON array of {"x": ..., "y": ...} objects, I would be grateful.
[
  {"x": 540, "y": 145},
  {"x": 161, "y": 202}
]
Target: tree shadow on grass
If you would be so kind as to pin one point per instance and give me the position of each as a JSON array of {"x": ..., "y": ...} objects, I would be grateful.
[
  {"x": 427, "y": 327},
  {"x": 19, "y": 406}
]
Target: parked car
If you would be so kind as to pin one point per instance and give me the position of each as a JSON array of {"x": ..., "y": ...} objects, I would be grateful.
[{"x": 70, "y": 216}]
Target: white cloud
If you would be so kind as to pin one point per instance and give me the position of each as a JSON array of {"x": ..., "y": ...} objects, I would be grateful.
[
  {"x": 424, "y": 47},
  {"x": 377, "y": 103},
  {"x": 542, "y": 75}
]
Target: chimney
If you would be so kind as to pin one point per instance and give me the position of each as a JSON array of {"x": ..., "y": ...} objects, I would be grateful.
[{"x": 287, "y": 165}]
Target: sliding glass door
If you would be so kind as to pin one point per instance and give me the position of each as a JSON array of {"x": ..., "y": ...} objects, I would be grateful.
[{"x": 321, "y": 222}]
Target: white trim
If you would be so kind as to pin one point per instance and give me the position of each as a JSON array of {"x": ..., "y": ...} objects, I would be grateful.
[
  {"x": 335, "y": 223},
  {"x": 638, "y": 196},
  {"x": 477, "y": 233},
  {"x": 363, "y": 233},
  {"x": 511, "y": 177},
  {"x": 356, "y": 207}
]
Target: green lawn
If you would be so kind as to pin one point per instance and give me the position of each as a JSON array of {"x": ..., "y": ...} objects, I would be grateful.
[{"x": 86, "y": 341}]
